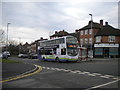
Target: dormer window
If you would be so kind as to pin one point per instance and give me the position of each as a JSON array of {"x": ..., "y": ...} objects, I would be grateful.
[{"x": 111, "y": 38}]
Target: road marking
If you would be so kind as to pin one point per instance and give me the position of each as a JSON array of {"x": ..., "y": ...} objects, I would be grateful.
[
  {"x": 66, "y": 70},
  {"x": 77, "y": 71},
  {"x": 86, "y": 72},
  {"x": 72, "y": 71},
  {"x": 21, "y": 76},
  {"x": 91, "y": 75},
  {"x": 98, "y": 86},
  {"x": 104, "y": 76},
  {"x": 47, "y": 68},
  {"x": 80, "y": 72},
  {"x": 109, "y": 75},
  {"x": 96, "y": 73}
]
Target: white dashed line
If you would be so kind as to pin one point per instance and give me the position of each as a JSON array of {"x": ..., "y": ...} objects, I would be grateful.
[
  {"x": 109, "y": 76},
  {"x": 104, "y": 76},
  {"x": 72, "y": 71},
  {"x": 91, "y": 75},
  {"x": 77, "y": 71},
  {"x": 96, "y": 73},
  {"x": 86, "y": 72},
  {"x": 80, "y": 72}
]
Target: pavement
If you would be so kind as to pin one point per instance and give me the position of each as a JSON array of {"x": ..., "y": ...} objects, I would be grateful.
[
  {"x": 10, "y": 70},
  {"x": 100, "y": 59}
]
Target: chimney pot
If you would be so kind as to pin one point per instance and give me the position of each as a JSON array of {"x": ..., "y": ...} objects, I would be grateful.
[
  {"x": 55, "y": 32},
  {"x": 106, "y": 23},
  {"x": 101, "y": 23}
]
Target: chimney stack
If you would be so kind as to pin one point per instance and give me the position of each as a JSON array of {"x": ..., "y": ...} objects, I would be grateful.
[
  {"x": 55, "y": 32},
  {"x": 101, "y": 23},
  {"x": 106, "y": 23}
]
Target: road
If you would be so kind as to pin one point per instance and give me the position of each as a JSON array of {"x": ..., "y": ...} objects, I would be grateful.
[{"x": 84, "y": 75}]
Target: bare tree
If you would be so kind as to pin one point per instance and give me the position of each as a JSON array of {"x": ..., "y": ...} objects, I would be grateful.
[
  {"x": 1, "y": 36},
  {"x": 2, "y": 41}
]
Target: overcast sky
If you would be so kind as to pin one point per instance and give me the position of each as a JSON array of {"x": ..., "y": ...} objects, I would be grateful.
[{"x": 32, "y": 20}]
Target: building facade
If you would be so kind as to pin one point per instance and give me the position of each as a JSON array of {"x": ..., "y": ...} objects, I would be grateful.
[
  {"x": 107, "y": 42},
  {"x": 86, "y": 36},
  {"x": 34, "y": 46},
  {"x": 100, "y": 40}
]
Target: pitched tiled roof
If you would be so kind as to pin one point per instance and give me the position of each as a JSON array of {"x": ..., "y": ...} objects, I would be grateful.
[
  {"x": 60, "y": 34},
  {"x": 108, "y": 30},
  {"x": 94, "y": 25}
]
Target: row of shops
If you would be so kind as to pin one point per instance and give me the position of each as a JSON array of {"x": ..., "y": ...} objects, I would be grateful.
[{"x": 100, "y": 51}]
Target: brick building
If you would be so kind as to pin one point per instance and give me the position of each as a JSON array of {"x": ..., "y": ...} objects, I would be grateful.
[
  {"x": 104, "y": 33},
  {"x": 107, "y": 42},
  {"x": 86, "y": 35},
  {"x": 34, "y": 46},
  {"x": 59, "y": 34}
]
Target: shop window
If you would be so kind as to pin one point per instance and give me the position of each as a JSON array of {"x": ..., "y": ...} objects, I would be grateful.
[
  {"x": 98, "y": 51},
  {"x": 113, "y": 51}
]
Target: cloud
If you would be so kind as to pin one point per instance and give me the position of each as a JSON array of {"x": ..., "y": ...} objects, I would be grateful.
[{"x": 32, "y": 20}]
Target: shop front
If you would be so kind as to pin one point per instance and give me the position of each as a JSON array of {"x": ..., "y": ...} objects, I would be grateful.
[{"x": 106, "y": 50}]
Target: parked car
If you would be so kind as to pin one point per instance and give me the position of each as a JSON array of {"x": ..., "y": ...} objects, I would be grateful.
[
  {"x": 23, "y": 56},
  {"x": 6, "y": 53},
  {"x": 3, "y": 56},
  {"x": 33, "y": 56}
]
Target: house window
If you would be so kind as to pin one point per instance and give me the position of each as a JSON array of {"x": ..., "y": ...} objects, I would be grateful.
[
  {"x": 86, "y": 41},
  {"x": 90, "y": 40},
  {"x": 81, "y": 41},
  {"x": 86, "y": 32},
  {"x": 90, "y": 31},
  {"x": 111, "y": 38},
  {"x": 98, "y": 39},
  {"x": 81, "y": 32}
]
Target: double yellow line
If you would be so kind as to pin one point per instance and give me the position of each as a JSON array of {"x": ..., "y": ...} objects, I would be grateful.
[{"x": 11, "y": 79}]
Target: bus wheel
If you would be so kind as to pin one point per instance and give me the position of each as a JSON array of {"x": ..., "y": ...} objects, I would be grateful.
[
  {"x": 43, "y": 58},
  {"x": 57, "y": 59}
]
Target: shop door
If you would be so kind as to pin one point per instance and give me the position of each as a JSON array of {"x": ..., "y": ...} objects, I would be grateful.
[{"x": 106, "y": 52}]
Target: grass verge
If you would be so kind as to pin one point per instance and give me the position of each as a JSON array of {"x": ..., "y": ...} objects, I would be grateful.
[{"x": 9, "y": 61}]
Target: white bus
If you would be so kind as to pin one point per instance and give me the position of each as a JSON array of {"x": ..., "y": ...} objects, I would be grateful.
[{"x": 60, "y": 49}]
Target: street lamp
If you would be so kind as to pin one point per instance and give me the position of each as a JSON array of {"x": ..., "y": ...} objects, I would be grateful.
[
  {"x": 7, "y": 37},
  {"x": 91, "y": 53}
]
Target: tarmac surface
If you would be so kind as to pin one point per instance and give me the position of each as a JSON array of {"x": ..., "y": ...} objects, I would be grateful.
[{"x": 14, "y": 69}]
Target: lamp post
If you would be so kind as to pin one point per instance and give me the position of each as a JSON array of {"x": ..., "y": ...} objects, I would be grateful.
[
  {"x": 91, "y": 53},
  {"x": 7, "y": 37}
]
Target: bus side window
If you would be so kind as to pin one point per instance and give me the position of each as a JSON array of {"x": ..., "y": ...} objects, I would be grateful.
[
  {"x": 63, "y": 51},
  {"x": 54, "y": 50}
]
